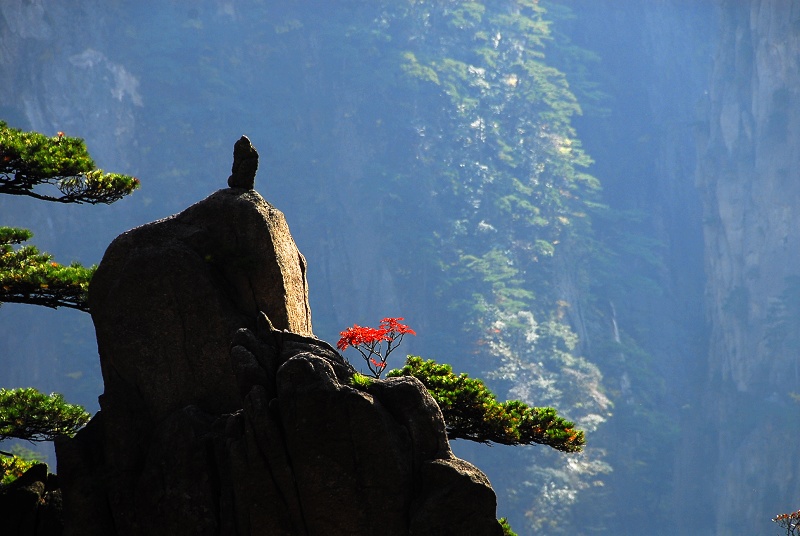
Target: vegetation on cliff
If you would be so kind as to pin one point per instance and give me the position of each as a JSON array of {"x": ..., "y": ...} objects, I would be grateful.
[
  {"x": 29, "y": 160},
  {"x": 33, "y": 416},
  {"x": 471, "y": 411}
]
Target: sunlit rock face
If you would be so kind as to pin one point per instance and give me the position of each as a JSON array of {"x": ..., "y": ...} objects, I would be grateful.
[
  {"x": 748, "y": 175},
  {"x": 225, "y": 258},
  {"x": 223, "y": 414}
]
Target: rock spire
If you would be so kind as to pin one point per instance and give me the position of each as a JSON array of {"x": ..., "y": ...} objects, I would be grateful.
[
  {"x": 223, "y": 414},
  {"x": 245, "y": 164}
]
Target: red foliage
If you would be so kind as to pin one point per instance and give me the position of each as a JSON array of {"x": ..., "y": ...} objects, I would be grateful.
[
  {"x": 368, "y": 341},
  {"x": 789, "y": 522}
]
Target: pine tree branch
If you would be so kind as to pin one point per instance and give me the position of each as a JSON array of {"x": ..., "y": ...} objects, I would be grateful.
[
  {"x": 28, "y": 276},
  {"x": 34, "y": 416},
  {"x": 29, "y": 160},
  {"x": 472, "y": 412}
]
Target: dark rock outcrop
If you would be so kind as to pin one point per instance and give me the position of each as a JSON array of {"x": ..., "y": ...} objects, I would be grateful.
[
  {"x": 31, "y": 505},
  {"x": 169, "y": 295},
  {"x": 223, "y": 414},
  {"x": 245, "y": 164}
]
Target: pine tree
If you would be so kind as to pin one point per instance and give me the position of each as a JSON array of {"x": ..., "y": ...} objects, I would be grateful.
[
  {"x": 57, "y": 169},
  {"x": 471, "y": 411}
]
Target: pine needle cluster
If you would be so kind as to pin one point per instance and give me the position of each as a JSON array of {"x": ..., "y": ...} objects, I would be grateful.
[
  {"x": 471, "y": 411},
  {"x": 30, "y": 160},
  {"x": 49, "y": 168},
  {"x": 28, "y": 276},
  {"x": 28, "y": 414}
]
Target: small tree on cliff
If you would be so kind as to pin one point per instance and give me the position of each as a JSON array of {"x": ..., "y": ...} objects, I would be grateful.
[
  {"x": 57, "y": 169},
  {"x": 789, "y": 523},
  {"x": 470, "y": 410}
]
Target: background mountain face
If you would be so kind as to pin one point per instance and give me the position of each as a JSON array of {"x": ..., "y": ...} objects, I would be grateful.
[{"x": 434, "y": 162}]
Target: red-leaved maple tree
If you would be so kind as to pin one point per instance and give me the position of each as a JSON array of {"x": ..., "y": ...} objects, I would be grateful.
[
  {"x": 369, "y": 342},
  {"x": 789, "y": 522}
]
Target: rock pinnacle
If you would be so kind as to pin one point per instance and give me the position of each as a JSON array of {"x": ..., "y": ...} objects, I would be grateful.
[{"x": 245, "y": 164}]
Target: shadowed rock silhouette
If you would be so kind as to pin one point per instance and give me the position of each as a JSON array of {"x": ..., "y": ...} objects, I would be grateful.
[
  {"x": 245, "y": 165},
  {"x": 224, "y": 415}
]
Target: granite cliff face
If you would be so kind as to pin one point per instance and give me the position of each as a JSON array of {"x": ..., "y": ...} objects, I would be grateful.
[
  {"x": 748, "y": 173},
  {"x": 748, "y": 166},
  {"x": 707, "y": 98},
  {"x": 55, "y": 83},
  {"x": 223, "y": 414}
]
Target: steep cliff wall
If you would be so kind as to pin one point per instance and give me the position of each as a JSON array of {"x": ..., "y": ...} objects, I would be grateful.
[
  {"x": 704, "y": 106},
  {"x": 652, "y": 66},
  {"x": 58, "y": 77},
  {"x": 748, "y": 174}
]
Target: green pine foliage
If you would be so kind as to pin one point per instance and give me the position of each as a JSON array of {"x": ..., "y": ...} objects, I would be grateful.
[
  {"x": 506, "y": 527},
  {"x": 498, "y": 237},
  {"x": 360, "y": 381},
  {"x": 29, "y": 160},
  {"x": 14, "y": 464},
  {"x": 28, "y": 276},
  {"x": 12, "y": 467},
  {"x": 471, "y": 411},
  {"x": 30, "y": 415}
]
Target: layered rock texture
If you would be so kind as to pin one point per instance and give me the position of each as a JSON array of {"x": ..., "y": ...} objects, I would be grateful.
[
  {"x": 716, "y": 83},
  {"x": 223, "y": 414},
  {"x": 748, "y": 175}
]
